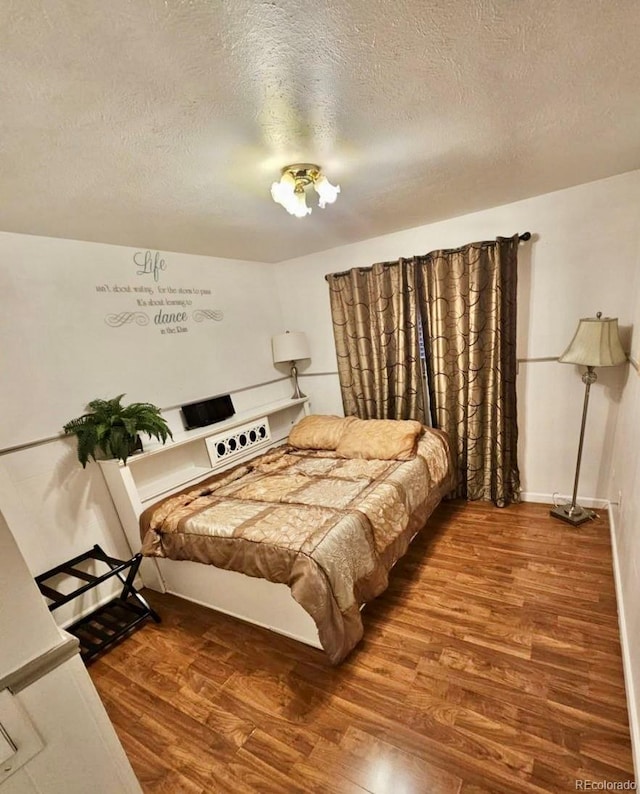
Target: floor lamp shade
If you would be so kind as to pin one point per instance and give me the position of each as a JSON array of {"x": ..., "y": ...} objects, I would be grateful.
[
  {"x": 596, "y": 343},
  {"x": 291, "y": 346}
]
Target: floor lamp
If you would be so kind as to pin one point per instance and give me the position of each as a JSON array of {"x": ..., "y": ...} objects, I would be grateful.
[
  {"x": 596, "y": 344},
  {"x": 291, "y": 346}
]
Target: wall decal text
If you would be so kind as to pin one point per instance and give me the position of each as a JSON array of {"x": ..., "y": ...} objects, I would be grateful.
[
  {"x": 169, "y": 309},
  {"x": 149, "y": 263}
]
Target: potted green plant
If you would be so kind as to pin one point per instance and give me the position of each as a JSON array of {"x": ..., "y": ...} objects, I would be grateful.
[{"x": 113, "y": 429}]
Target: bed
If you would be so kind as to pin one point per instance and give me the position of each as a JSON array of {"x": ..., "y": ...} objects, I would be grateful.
[{"x": 320, "y": 514}]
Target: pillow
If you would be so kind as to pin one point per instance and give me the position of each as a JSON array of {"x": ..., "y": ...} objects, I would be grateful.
[
  {"x": 319, "y": 432},
  {"x": 380, "y": 439}
]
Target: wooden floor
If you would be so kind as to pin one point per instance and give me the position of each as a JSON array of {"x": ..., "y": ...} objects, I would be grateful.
[{"x": 491, "y": 664}]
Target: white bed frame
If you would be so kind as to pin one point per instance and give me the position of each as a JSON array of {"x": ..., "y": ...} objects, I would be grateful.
[{"x": 190, "y": 457}]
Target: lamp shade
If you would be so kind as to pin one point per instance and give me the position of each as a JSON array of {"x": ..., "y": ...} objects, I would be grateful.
[
  {"x": 328, "y": 193},
  {"x": 282, "y": 191},
  {"x": 291, "y": 346},
  {"x": 596, "y": 343}
]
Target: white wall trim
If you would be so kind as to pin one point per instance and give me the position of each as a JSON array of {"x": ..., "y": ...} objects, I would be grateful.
[
  {"x": 627, "y": 664},
  {"x": 549, "y": 499},
  {"x": 35, "y": 669},
  {"x": 59, "y": 436}
]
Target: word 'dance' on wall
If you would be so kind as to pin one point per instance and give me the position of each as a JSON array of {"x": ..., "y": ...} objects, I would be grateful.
[{"x": 170, "y": 309}]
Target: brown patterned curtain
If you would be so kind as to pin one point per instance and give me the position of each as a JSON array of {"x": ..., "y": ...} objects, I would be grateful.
[
  {"x": 468, "y": 306},
  {"x": 375, "y": 325}
]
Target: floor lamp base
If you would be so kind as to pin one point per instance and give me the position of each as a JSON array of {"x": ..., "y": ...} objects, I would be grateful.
[{"x": 572, "y": 515}]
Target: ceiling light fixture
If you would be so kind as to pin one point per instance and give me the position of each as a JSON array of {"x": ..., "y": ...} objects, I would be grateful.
[{"x": 290, "y": 190}]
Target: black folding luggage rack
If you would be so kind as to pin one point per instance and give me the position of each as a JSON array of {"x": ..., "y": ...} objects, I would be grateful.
[{"x": 110, "y": 622}]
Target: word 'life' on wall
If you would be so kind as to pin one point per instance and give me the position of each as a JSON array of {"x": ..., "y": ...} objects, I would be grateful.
[{"x": 169, "y": 309}]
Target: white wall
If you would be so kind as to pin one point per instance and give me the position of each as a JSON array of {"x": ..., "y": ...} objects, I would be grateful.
[
  {"x": 58, "y": 352},
  {"x": 81, "y": 750},
  {"x": 581, "y": 260},
  {"x": 625, "y": 514},
  {"x": 20, "y": 604}
]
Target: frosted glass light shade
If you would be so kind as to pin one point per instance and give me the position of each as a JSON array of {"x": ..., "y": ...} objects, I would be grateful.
[
  {"x": 291, "y": 346},
  {"x": 327, "y": 192},
  {"x": 293, "y": 200},
  {"x": 596, "y": 343},
  {"x": 298, "y": 205},
  {"x": 282, "y": 192}
]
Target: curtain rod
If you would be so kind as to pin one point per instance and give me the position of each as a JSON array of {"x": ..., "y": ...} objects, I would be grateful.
[{"x": 524, "y": 237}]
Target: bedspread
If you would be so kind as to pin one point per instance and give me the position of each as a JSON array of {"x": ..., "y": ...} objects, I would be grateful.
[{"x": 329, "y": 528}]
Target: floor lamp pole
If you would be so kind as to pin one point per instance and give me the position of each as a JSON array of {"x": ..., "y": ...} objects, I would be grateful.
[{"x": 573, "y": 513}]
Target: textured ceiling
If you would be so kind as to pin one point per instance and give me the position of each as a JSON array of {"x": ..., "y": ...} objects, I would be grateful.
[{"x": 162, "y": 123}]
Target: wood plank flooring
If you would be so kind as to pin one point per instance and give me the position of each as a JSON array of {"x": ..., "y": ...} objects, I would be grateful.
[{"x": 491, "y": 664}]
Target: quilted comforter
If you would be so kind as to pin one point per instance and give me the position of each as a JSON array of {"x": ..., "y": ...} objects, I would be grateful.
[{"x": 329, "y": 528}]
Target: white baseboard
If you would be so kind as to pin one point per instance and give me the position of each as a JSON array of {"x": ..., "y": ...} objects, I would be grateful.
[
  {"x": 549, "y": 499},
  {"x": 627, "y": 663}
]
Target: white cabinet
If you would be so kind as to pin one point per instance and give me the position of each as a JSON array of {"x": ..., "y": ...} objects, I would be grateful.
[{"x": 189, "y": 458}]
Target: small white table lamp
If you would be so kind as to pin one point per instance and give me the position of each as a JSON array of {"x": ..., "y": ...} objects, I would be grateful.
[
  {"x": 596, "y": 344},
  {"x": 291, "y": 346}
]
